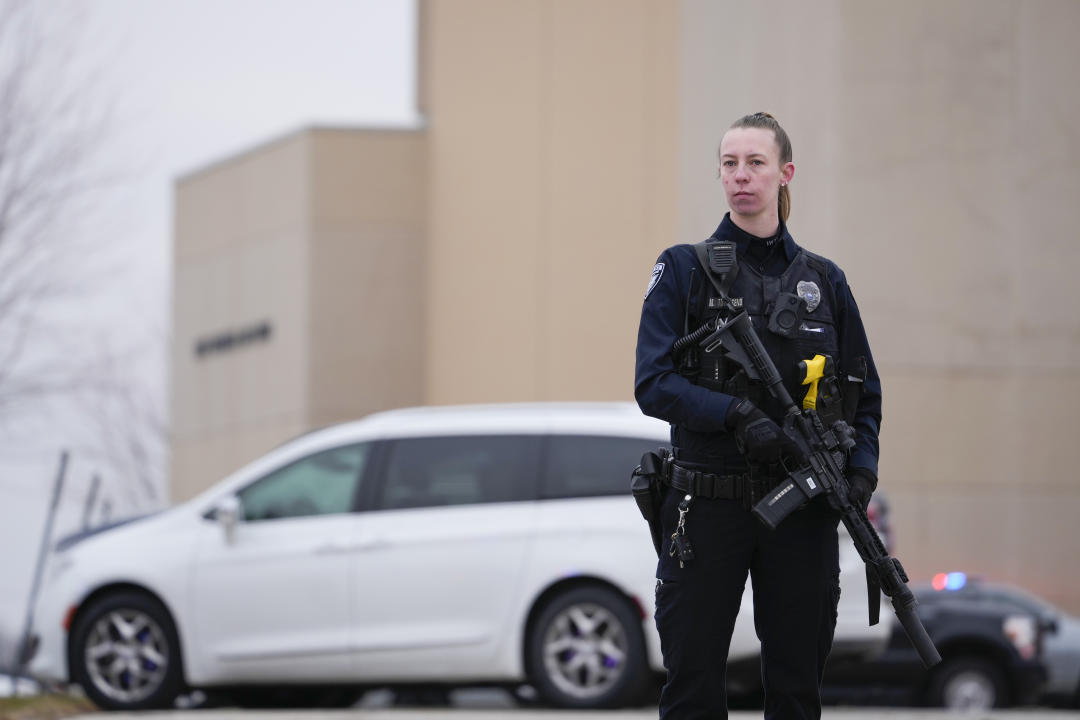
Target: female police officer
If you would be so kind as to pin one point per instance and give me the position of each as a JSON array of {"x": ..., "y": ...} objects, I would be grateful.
[{"x": 728, "y": 450}]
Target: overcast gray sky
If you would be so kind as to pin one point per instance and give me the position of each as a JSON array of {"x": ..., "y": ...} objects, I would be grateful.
[
  {"x": 188, "y": 83},
  {"x": 198, "y": 80}
]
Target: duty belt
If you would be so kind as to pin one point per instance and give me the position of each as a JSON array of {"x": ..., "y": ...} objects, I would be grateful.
[
  {"x": 710, "y": 485},
  {"x": 734, "y": 486}
]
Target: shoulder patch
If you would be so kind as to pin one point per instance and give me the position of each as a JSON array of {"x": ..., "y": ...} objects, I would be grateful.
[{"x": 657, "y": 271}]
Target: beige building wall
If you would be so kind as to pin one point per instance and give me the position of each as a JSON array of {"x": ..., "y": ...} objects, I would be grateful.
[
  {"x": 366, "y": 314},
  {"x": 312, "y": 235},
  {"x": 553, "y": 135},
  {"x": 240, "y": 255}
]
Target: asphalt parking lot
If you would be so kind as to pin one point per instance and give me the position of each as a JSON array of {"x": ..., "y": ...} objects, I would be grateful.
[
  {"x": 493, "y": 713},
  {"x": 491, "y": 704}
]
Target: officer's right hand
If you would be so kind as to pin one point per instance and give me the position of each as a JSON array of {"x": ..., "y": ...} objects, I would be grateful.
[{"x": 760, "y": 438}]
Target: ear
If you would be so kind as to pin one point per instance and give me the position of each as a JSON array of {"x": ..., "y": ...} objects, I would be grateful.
[{"x": 787, "y": 171}]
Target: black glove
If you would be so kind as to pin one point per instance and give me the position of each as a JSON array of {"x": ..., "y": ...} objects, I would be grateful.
[
  {"x": 760, "y": 438},
  {"x": 862, "y": 483}
]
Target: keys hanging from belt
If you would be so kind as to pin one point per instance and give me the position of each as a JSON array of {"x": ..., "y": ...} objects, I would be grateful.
[{"x": 680, "y": 543}]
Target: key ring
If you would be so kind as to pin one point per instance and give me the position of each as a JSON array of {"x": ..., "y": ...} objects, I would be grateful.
[{"x": 684, "y": 507}]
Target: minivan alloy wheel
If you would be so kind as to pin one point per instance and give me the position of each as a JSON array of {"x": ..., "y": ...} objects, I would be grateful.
[
  {"x": 126, "y": 655},
  {"x": 585, "y": 650}
]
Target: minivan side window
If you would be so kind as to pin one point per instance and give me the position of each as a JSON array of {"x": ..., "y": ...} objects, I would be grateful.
[
  {"x": 319, "y": 484},
  {"x": 463, "y": 470},
  {"x": 591, "y": 466}
]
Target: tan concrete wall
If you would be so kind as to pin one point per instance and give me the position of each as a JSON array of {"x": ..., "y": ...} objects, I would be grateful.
[
  {"x": 240, "y": 258},
  {"x": 320, "y": 234},
  {"x": 553, "y": 141},
  {"x": 936, "y": 162},
  {"x": 368, "y": 210}
]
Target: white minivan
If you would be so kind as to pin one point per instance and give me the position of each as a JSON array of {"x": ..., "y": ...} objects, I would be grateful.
[{"x": 454, "y": 545}]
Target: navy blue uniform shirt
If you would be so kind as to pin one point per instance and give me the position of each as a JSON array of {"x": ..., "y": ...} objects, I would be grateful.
[{"x": 663, "y": 393}]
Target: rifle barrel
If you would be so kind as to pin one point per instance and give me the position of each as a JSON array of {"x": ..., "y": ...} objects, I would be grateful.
[{"x": 916, "y": 633}]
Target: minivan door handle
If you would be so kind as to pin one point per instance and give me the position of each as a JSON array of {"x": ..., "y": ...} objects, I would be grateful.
[
  {"x": 371, "y": 543},
  {"x": 334, "y": 547}
]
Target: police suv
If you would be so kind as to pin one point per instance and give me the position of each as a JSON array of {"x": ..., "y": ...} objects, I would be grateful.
[{"x": 457, "y": 545}]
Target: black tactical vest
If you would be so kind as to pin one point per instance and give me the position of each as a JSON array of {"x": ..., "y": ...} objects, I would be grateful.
[{"x": 806, "y": 276}]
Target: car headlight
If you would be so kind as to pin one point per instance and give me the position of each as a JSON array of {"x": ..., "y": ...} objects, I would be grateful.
[{"x": 1023, "y": 633}]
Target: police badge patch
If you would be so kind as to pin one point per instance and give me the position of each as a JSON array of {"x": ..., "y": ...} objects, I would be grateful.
[
  {"x": 657, "y": 271},
  {"x": 809, "y": 291}
]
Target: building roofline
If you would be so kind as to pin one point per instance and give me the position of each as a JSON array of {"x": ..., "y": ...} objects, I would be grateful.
[{"x": 184, "y": 176}]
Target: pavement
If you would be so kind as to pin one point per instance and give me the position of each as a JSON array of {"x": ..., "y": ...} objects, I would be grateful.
[
  {"x": 494, "y": 704},
  {"x": 517, "y": 714}
]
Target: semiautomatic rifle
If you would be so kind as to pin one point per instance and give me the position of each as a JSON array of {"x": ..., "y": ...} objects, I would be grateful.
[{"x": 822, "y": 474}]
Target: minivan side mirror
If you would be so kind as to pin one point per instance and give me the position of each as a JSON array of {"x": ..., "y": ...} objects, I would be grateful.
[{"x": 228, "y": 513}]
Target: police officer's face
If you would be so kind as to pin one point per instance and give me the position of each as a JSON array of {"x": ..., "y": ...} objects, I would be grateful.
[{"x": 751, "y": 171}]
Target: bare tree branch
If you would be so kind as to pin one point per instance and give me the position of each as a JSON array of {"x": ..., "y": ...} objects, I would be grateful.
[{"x": 53, "y": 126}]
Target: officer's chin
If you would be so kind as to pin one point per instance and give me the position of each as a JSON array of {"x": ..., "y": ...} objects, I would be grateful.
[{"x": 746, "y": 205}]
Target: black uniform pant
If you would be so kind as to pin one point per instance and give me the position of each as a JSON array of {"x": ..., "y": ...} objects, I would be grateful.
[{"x": 796, "y": 581}]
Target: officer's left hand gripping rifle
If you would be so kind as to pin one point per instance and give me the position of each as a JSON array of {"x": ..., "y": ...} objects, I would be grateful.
[{"x": 822, "y": 473}]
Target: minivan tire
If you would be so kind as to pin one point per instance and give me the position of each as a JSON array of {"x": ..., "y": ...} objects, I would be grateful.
[
  {"x": 125, "y": 653},
  {"x": 586, "y": 649}
]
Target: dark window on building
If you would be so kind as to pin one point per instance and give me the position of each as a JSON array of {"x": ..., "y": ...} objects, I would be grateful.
[
  {"x": 591, "y": 466},
  {"x": 464, "y": 470},
  {"x": 320, "y": 484}
]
